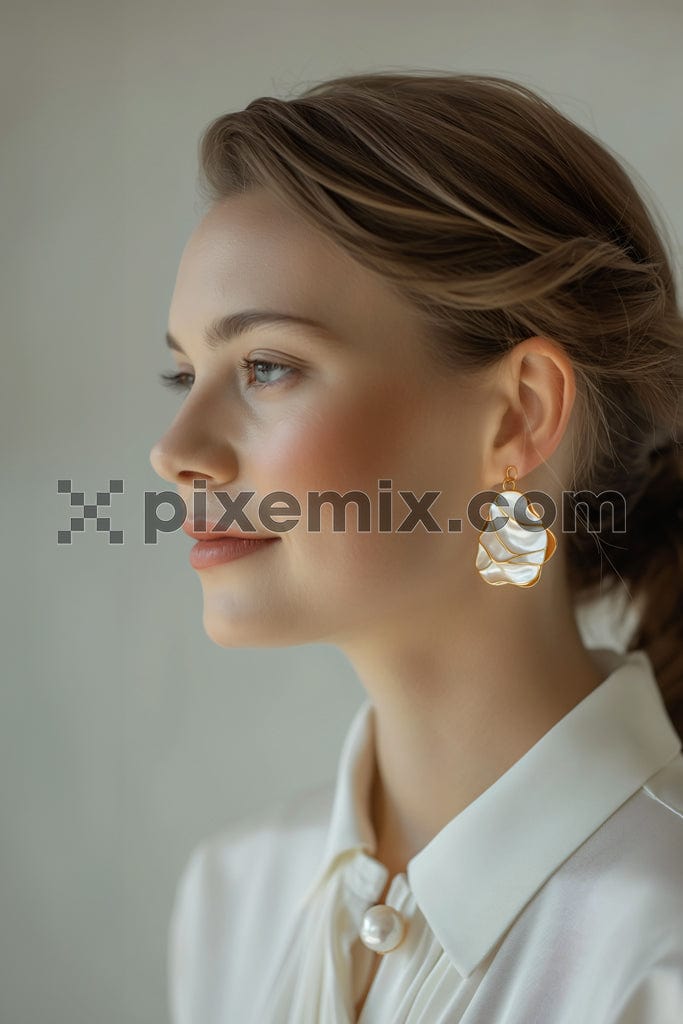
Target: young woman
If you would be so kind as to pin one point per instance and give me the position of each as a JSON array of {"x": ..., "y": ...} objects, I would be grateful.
[{"x": 437, "y": 294}]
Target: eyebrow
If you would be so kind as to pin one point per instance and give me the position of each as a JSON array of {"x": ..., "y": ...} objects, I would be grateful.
[{"x": 225, "y": 328}]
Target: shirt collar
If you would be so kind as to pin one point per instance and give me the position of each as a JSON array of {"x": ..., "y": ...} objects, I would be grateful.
[{"x": 473, "y": 878}]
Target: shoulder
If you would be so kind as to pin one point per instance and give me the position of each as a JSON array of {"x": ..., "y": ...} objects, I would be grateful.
[
  {"x": 666, "y": 788},
  {"x": 607, "y": 925},
  {"x": 652, "y": 990},
  {"x": 618, "y": 899},
  {"x": 631, "y": 868},
  {"x": 647, "y": 836},
  {"x": 281, "y": 828},
  {"x": 264, "y": 851},
  {"x": 237, "y": 893}
]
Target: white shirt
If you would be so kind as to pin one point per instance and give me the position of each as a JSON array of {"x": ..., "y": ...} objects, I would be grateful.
[{"x": 555, "y": 897}]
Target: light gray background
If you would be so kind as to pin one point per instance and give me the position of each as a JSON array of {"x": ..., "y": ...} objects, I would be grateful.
[{"x": 126, "y": 734}]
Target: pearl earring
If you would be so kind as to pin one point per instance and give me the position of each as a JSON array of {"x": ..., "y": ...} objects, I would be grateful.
[{"x": 509, "y": 551}]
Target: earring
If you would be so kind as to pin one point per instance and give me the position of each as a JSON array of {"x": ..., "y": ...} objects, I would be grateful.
[{"x": 510, "y": 551}]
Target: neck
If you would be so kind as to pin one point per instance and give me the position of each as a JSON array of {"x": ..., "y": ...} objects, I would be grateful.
[{"x": 457, "y": 703}]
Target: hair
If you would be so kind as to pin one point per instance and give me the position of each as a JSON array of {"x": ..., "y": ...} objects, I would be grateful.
[{"x": 500, "y": 219}]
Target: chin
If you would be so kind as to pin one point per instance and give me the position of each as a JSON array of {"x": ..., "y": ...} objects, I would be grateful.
[{"x": 228, "y": 629}]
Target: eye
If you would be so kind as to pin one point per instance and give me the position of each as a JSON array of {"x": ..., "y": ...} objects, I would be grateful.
[
  {"x": 264, "y": 366},
  {"x": 182, "y": 381},
  {"x": 177, "y": 381}
]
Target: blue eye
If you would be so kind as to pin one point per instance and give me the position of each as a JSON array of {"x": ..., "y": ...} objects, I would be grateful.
[
  {"x": 182, "y": 381},
  {"x": 248, "y": 364}
]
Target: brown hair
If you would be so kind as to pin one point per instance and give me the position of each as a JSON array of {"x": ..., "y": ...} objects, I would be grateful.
[{"x": 501, "y": 218}]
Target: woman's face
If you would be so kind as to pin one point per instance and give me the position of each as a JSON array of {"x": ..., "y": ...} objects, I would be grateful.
[{"x": 348, "y": 405}]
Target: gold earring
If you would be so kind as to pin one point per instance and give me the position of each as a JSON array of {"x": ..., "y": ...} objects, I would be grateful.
[{"x": 509, "y": 551}]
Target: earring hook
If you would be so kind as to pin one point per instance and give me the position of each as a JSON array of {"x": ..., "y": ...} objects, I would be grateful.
[{"x": 509, "y": 483}]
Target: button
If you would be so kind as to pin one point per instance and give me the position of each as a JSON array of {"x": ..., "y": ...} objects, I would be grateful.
[{"x": 382, "y": 928}]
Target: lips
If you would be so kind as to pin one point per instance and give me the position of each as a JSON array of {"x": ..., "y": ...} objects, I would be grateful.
[{"x": 205, "y": 531}]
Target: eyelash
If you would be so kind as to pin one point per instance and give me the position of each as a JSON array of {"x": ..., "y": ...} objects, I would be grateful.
[{"x": 177, "y": 380}]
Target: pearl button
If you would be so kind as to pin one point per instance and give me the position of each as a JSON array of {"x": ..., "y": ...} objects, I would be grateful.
[{"x": 382, "y": 928}]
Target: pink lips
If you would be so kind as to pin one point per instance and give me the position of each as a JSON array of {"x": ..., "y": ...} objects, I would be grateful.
[
  {"x": 225, "y": 549},
  {"x": 216, "y": 548}
]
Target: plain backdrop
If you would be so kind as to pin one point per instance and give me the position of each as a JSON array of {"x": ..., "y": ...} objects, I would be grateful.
[{"x": 126, "y": 735}]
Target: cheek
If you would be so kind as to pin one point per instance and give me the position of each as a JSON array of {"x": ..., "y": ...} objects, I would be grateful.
[
  {"x": 342, "y": 447},
  {"x": 352, "y": 447}
]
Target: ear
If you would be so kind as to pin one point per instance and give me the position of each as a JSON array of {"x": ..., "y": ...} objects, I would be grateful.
[{"x": 537, "y": 390}]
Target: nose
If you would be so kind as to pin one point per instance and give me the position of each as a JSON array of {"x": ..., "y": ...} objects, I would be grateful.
[{"x": 181, "y": 455}]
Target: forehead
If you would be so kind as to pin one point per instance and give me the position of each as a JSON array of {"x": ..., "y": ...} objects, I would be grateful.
[{"x": 250, "y": 251}]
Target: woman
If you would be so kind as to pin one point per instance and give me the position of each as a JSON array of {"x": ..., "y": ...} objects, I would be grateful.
[{"x": 471, "y": 301}]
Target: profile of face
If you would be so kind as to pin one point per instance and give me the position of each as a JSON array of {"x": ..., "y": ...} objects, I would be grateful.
[{"x": 305, "y": 409}]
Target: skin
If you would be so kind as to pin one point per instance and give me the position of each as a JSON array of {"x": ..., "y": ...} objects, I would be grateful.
[{"x": 465, "y": 677}]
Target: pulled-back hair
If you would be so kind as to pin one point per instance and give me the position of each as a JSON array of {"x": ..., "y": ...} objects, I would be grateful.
[{"x": 501, "y": 219}]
